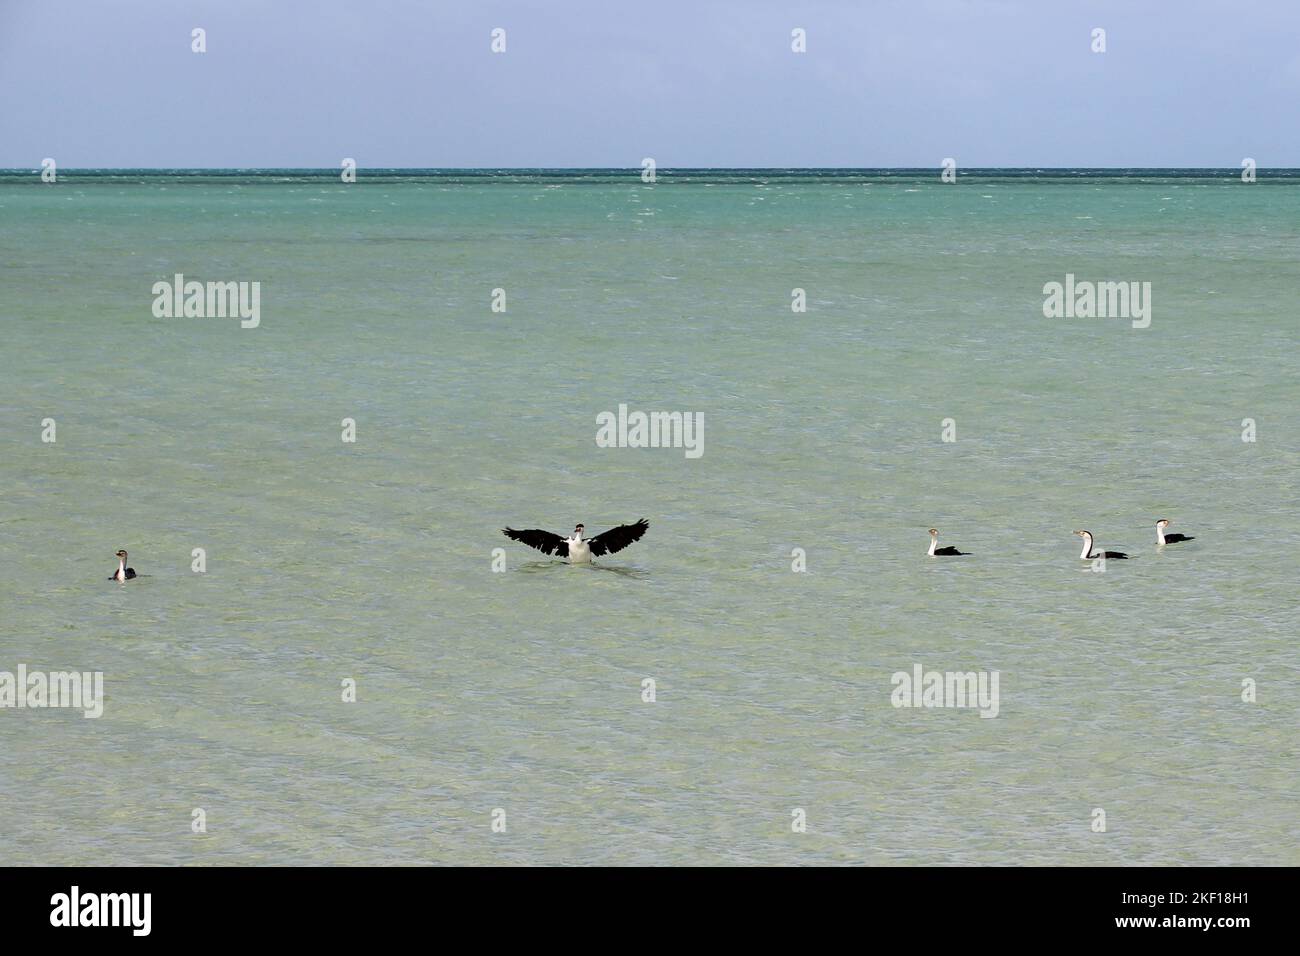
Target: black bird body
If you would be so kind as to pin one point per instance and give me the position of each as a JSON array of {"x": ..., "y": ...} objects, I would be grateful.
[
  {"x": 123, "y": 573},
  {"x": 1087, "y": 554},
  {"x": 1162, "y": 538},
  {"x": 936, "y": 551}
]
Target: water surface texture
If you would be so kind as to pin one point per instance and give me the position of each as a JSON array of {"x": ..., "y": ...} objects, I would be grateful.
[{"x": 522, "y": 690}]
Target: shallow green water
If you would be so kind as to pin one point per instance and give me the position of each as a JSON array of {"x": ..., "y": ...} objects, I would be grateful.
[{"x": 522, "y": 690}]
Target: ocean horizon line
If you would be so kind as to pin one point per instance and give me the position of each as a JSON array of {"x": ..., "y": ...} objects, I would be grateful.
[{"x": 650, "y": 175}]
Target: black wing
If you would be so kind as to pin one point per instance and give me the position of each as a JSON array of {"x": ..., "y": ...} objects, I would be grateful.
[
  {"x": 953, "y": 552},
  {"x": 1114, "y": 555},
  {"x": 130, "y": 573},
  {"x": 616, "y": 539},
  {"x": 1172, "y": 538},
  {"x": 543, "y": 541}
]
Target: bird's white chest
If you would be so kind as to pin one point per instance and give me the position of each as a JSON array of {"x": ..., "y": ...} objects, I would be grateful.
[
  {"x": 579, "y": 551},
  {"x": 121, "y": 573}
]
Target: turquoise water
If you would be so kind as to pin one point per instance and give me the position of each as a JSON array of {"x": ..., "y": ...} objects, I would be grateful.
[{"x": 522, "y": 690}]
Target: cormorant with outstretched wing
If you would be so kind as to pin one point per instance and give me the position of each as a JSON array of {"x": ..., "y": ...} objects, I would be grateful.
[{"x": 577, "y": 549}]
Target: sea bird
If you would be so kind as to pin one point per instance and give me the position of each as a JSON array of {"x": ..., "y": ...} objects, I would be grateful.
[
  {"x": 123, "y": 573},
  {"x": 1162, "y": 538},
  {"x": 577, "y": 549},
  {"x": 1087, "y": 555},
  {"x": 934, "y": 551}
]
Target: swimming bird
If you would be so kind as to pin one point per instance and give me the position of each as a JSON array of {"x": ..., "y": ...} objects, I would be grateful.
[
  {"x": 1162, "y": 538},
  {"x": 934, "y": 540},
  {"x": 1085, "y": 554},
  {"x": 123, "y": 573},
  {"x": 576, "y": 548}
]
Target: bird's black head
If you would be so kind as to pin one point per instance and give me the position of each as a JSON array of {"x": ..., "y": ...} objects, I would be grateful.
[
  {"x": 579, "y": 528},
  {"x": 120, "y": 554}
]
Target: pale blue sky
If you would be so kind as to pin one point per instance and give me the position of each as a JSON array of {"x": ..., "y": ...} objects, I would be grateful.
[{"x": 688, "y": 82}]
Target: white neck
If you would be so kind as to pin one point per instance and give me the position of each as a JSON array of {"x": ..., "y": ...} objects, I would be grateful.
[
  {"x": 934, "y": 542},
  {"x": 1160, "y": 534},
  {"x": 1087, "y": 547}
]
